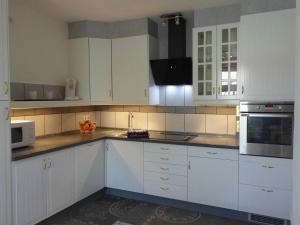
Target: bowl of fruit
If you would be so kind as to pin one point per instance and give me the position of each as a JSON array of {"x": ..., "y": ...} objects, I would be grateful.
[{"x": 87, "y": 127}]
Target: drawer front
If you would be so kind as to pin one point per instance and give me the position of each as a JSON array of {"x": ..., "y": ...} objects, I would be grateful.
[
  {"x": 157, "y": 178},
  {"x": 267, "y": 174},
  {"x": 265, "y": 201},
  {"x": 166, "y": 191},
  {"x": 165, "y": 158},
  {"x": 165, "y": 168},
  {"x": 215, "y": 153},
  {"x": 165, "y": 148}
]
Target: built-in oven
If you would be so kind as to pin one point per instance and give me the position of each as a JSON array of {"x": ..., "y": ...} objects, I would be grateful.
[{"x": 266, "y": 129}]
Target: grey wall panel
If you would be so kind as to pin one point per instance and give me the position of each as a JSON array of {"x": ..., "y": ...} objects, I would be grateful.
[
  {"x": 152, "y": 28},
  {"x": 129, "y": 28},
  {"x": 217, "y": 15},
  {"x": 77, "y": 29},
  {"x": 259, "y": 6},
  {"x": 98, "y": 29}
]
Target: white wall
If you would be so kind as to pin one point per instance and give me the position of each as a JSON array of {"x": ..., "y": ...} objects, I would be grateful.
[
  {"x": 38, "y": 46},
  {"x": 296, "y": 198}
]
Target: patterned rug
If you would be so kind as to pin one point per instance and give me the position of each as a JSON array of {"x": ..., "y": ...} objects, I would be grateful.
[{"x": 111, "y": 210}]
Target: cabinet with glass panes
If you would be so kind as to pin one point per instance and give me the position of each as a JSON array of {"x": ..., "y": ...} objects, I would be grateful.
[{"x": 215, "y": 62}]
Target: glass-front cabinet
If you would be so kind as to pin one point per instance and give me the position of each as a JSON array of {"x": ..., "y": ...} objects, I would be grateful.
[{"x": 215, "y": 62}]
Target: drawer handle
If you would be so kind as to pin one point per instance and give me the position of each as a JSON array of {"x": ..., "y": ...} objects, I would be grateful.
[
  {"x": 162, "y": 158},
  {"x": 164, "y": 149},
  {"x": 212, "y": 153},
  {"x": 164, "y": 178},
  {"x": 268, "y": 167},
  {"x": 265, "y": 190},
  {"x": 164, "y": 189},
  {"x": 164, "y": 169}
]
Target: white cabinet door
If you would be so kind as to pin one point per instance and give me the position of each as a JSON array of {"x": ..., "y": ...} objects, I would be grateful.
[
  {"x": 267, "y": 52},
  {"x": 124, "y": 167},
  {"x": 30, "y": 192},
  {"x": 100, "y": 70},
  {"x": 4, "y": 55},
  {"x": 61, "y": 191},
  {"x": 213, "y": 182},
  {"x": 130, "y": 69},
  {"x": 204, "y": 63},
  {"x": 89, "y": 169}
]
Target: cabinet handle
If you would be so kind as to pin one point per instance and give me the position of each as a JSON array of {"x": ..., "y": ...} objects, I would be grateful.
[
  {"x": 145, "y": 92},
  {"x": 243, "y": 89},
  {"x": 49, "y": 163},
  {"x": 164, "y": 149},
  {"x": 189, "y": 165},
  {"x": 7, "y": 113},
  {"x": 106, "y": 147},
  {"x": 214, "y": 90},
  {"x": 44, "y": 164},
  {"x": 164, "y": 189},
  {"x": 164, "y": 178},
  {"x": 265, "y": 190},
  {"x": 6, "y": 87},
  {"x": 164, "y": 169},
  {"x": 162, "y": 158},
  {"x": 219, "y": 90},
  {"x": 212, "y": 153},
  {"x": 268, "y": 167},
  {"x": 109, "y": 93}
]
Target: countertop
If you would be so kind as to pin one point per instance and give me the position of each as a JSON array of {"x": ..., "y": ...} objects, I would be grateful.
[{"x": 57, "y": 142}]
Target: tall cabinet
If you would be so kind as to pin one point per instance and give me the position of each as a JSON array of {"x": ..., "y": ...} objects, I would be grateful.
[
  {"x": 215, "y": 62},
  {"x": 5, "y": 152}
]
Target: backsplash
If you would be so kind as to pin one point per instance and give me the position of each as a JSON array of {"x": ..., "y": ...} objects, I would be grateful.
[{"x": 214, "y": 120}]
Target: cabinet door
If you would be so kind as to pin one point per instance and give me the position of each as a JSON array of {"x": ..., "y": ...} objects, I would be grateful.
[
  {"x": 130, "y": 69},
  {"x": 100, "y": 70},
  {"x": 267, "y": 42},
  {"x": 227, "y": 61},
  {"x": 204, "y": 63},
  {"x": 125, "y": 165},
  {"x": 60, "y": 166},
  {"x": 213, "y": 182},
  {"x": 4, "y": 55},
  {"x": 89, "y": 169},
  {"x": 29, "y": 192}
]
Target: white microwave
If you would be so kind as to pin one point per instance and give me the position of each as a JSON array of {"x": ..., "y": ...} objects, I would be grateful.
[{"x": 22, "y": 133}]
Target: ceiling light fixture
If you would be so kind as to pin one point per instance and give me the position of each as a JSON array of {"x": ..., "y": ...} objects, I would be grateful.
[{"x": 174, "y": 16}]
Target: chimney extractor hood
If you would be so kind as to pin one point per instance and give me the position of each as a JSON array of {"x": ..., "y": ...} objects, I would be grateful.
[{"x": 177, "y": 69}]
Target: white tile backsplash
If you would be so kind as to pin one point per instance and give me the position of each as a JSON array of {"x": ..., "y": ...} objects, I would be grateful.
[
  {"x": 122, "y": 120},
  {"x": 175, "y": 122},
  {"x": 216, "y": 124},
  {"x": 52, "y": 124},
  {"x": 140, "y": 121},
  {"x": 108, "y": 119},
  {"x": 157, "y": 121},
  {"x": 195, "y": 123},
  {"x": 232, "y": 125},
  {"x": 98, "y": 118},
  {"x": 39, "y": 123},
  {"x": 68, "y": 122}
]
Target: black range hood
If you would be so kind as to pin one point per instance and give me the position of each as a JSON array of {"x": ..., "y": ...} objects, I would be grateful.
[{"x": 177, "y": 69}]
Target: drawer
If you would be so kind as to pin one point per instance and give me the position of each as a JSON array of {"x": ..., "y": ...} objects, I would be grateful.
[
  {"x": 166, "y": 191},
  {"x": 215, "y": 153},
  {"x": 165, "y": 179},
  {"x": 267, "y": 172},
  {"x": 165, "y": 148},
  {"x": 165, "y": 168},
  {"x": 265, "y": 201},
  {"x": 165, "y": 158}
]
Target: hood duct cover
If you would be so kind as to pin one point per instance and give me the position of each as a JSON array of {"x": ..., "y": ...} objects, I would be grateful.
[{"x": 177, "y": 69}]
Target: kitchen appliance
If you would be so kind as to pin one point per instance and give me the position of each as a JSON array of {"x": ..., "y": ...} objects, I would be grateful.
[
  {"x": 266, "y": 129},
  {"x": 70, "y": 90},
  {"x": 22, "y": 133}
]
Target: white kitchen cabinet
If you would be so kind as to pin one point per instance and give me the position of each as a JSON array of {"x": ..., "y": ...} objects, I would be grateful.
[
  {"x": 89, "y": 169},
  {"x": 132, "y": 79},
  {"x": 267, "y": 52},
  {"x": 42, "y": 186},
  {"x": 90, "y": 64},
  {"x": 213, "y": 181},
  {"x": 124, "y": 165},
  {"x": 215, "y": 62}
]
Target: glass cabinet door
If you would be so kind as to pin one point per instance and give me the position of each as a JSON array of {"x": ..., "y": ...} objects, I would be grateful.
[
  {"x": 204, "y": 47},
  {"x": 227, "y": 63}
]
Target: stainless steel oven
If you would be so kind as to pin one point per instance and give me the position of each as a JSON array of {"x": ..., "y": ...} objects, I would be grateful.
[{"x": 266, "y": 129}]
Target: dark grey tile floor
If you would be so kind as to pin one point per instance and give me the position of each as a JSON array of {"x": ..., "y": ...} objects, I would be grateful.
[{"x": 111, "y": 210}]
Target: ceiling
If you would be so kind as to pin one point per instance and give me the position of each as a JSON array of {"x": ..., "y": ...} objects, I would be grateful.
[{"x": 114, "y": 10}]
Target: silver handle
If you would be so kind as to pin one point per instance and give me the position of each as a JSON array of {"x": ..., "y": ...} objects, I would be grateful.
[
  {"x": 164, "y": 189},
  {"x": 268, "y": 167},
  {"x": 243, "y": 89},
  {"x": 264, "y": 115},
  {"x": 219, "y": 90},
  {"x": 162, "y": 158},
  {"x": 214, "y": 90},
  {"x": 265, "y": 190},
  {"x": 6, "y": 87},
  {"x": 164, "y": 169},
  {"x": 164, "y": 178},
  {"x": 189, "y": 165},
  {"x": 8, "y": 113},
  {"x": 106, "y": 147},
  {"x": 49, "y": 163},
  {"x": 212, "y": 153},
  {"x": 145, "y": 92},
  {"x": 44, "y": 164},
  {"x": 164, "y": 149},
  {"x": 109, "y": 93}
]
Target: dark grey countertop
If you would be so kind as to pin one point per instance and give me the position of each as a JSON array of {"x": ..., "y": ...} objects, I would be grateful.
[{"x": 57, "y": 142}]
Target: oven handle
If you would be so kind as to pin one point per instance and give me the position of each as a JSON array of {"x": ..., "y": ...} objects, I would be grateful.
[{"x": 267, "y": 115}]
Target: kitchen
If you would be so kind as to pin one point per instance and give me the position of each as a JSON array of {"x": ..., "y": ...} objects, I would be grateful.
[{"x": 145, "y": 112}]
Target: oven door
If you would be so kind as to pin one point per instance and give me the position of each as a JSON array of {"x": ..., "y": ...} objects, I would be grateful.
[{"x": 265, "y": 134}]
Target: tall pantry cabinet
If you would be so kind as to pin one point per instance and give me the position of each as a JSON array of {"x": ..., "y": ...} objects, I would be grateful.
[{"x": 5, "y": 153}]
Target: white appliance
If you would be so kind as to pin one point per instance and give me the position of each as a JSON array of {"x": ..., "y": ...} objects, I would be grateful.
[
  {"x": 22, "y": 133},
  {"x": 70, "y": 90}
]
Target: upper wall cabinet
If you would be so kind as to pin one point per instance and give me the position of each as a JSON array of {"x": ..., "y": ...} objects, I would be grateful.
[
  {"x": 90, "y": 64},
  {"x": 268, "y": 55},
  {"x": 215, "y": 62},
  {"x": 132, "y": 78}
]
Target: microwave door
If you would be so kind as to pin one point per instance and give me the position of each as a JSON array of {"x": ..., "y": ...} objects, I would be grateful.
[
  {"x": 265, "y": 134},
  {"x": 16, "y": 135}
]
